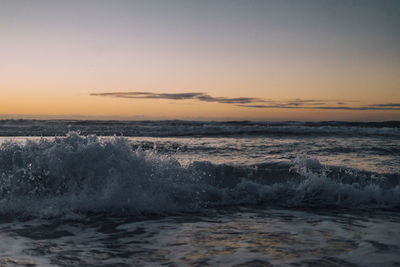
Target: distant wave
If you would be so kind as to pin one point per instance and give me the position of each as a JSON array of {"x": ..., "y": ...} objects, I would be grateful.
[
  {"x": 80, "y": 174},
  {"x": 195, "y": 128}
]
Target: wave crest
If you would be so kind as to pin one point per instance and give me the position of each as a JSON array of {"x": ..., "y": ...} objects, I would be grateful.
[{"x": 79, "y": 174}]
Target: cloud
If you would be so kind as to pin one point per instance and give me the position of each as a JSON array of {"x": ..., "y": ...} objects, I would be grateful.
[
  {"x": 252, "y": 102},
  {"x": 386, "y": 105},
  {"x": 182, "y": 96},
  {"x": 285, "y": 106},
  {"x": 359, "y": 108},
  {"x": 149, "y": 95},
  {"x": 227, "y": 100}
]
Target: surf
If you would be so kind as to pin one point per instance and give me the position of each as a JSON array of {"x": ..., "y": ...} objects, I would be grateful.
[{"x": 79, "y": 174}]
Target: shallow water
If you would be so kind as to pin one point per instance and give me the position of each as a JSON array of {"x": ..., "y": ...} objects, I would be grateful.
[
  {"x": 240, "y": 236},
  {"x": 281, "y": 194}
]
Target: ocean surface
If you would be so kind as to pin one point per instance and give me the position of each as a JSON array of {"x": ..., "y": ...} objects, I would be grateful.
[{"x": 189, "y": 193}]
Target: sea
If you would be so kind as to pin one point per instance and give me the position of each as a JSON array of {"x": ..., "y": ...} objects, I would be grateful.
[{"x": 199, "y": 193}]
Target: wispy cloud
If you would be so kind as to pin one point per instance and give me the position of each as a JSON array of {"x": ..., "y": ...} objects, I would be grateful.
[
  {"x": 149, "y": 95},
  {"x": 183, "y": 96},
  {"x": 286, "y": 106},
  {"x": 386, "y": 105},
  {"x": 362, "y": 108},
  {"x": 252, "y": 102}
]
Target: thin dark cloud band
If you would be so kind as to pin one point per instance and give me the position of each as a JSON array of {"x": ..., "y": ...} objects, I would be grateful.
[
  {"x": 251, "y": 102},
  {"x": 285, "y": 106},
  {"x": 386, "y": 105},
  {"x": 183, "y": 96}
]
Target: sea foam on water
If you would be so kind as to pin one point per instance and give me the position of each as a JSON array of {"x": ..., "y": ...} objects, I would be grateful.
[{"x": 81, "y": 174}]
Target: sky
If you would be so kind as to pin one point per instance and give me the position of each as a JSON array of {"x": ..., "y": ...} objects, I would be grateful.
[{"x": 219, "y": 60}]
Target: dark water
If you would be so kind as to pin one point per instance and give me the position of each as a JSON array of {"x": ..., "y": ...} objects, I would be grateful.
[
  {"x": 176, "y": 193},
  {"x": 241, "y": 236}
]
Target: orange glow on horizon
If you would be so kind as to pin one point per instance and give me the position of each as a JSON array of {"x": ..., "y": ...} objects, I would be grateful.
[{"x": 53, "y": 58}]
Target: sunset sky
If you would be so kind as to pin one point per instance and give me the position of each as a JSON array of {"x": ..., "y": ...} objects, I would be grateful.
[{"x": 167, "y": 59}]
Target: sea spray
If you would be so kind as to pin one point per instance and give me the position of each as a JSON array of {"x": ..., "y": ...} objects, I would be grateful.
[{"x": 80, "y": 174}]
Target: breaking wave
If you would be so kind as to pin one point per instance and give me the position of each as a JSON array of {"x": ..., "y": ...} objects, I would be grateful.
[{"x": 83, "y": 174}]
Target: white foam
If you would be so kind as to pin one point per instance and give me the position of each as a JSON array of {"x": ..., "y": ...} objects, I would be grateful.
[{"x": 65, "y": 176}]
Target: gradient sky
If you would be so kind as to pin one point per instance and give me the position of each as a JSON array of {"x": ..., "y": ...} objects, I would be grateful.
[{"x": 263, "y": 60}]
